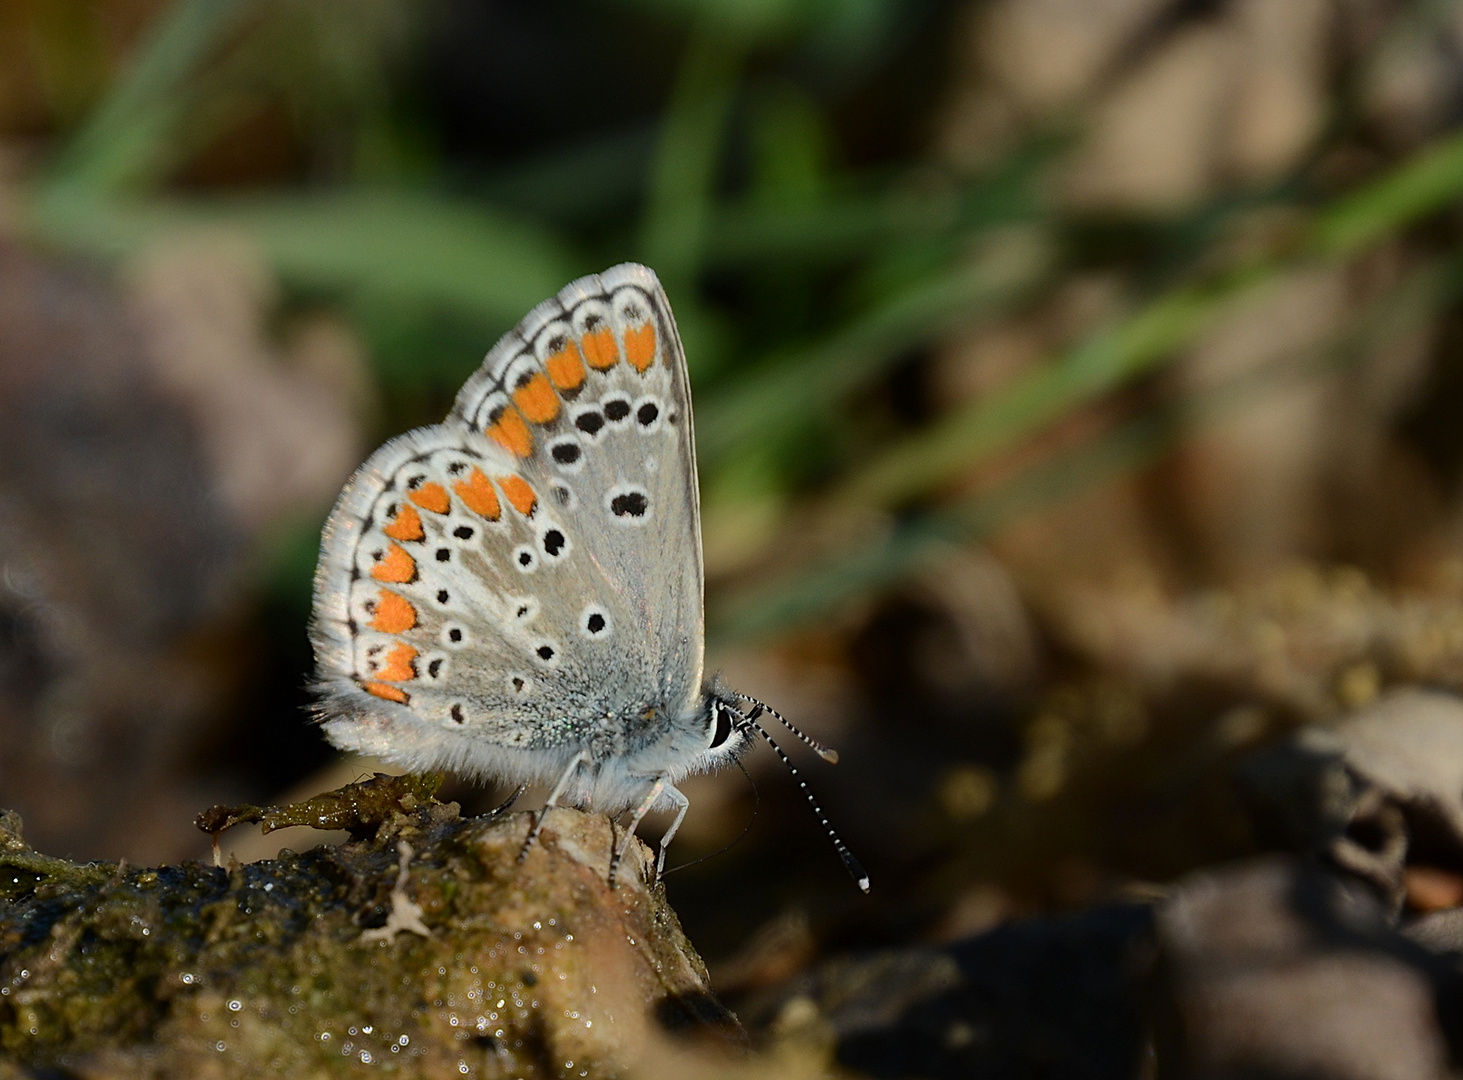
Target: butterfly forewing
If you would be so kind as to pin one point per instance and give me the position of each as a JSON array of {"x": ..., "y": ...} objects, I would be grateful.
[{"x": 527, "y": 574}]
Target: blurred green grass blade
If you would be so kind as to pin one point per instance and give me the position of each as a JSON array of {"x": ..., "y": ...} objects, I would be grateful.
[
  {"x": 1424, "y": 184},
  {"x": 800, "y": 597},
  {"x": 988, "y": 425},
  {"x": 412, "y": 246},
  {"x": 1151, "y": 337},
  {"x": 126, "y": 140},
  {"x": 791, "y": 387},
  {"x": 579, "y": 183},
  {"x": 816, "y": 593},
  {"x": 851, "y": 224},
  {"x": 692, "y": 135}
]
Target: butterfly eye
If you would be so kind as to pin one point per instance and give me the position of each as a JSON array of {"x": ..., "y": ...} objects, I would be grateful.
[{"x": 721, "y": 725}]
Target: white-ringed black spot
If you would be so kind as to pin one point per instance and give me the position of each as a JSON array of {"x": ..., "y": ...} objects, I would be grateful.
[
  {"x": 444, "y": 554},
  {"x": 454, "y": 636},
  {"x": 518, "y": 684},
  {"x": 443, "y": 596},
  {"x": 616, "y": 408},
  {"x": 434, "y": 667},
  {"x": 594, "y": 622},
  {"x": 457, "y": 468},
  {"x": 567, "y": 454},
  {"x": 463, "y": 532},
  {"x": 554, "y": 542},
  {"x": 547, "y": 654},
  {"x": 525, "y": 559},
  {"x": 457, "y": 714},
  {"x": 590, "y": 421},
  {"x": 630, "y": 505},
  {"x": 647, "y": 413}
]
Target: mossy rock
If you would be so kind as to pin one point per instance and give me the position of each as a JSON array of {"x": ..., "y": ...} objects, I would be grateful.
[{"x": 313, "y": 964}]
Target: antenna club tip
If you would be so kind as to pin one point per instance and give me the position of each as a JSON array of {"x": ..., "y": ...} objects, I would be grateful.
[
  {"x": 830, "y": 756},
  {"x": 863, "y": 884}
]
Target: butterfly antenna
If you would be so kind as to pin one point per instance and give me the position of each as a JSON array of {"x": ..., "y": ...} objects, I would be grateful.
[
  {"x": 860, "y": 876},
  {"x": 827, "y": 753}
]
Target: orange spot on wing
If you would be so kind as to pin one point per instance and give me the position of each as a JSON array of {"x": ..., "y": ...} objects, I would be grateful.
[
  {"x": 536, "y": 400},
  {"x": 390, "y": 693},
  {"x": 565, "y": 368},
  {"x": 511, "y": 433},
  {"x": 396, "y": 566},
  {"x": 640, "y": 346},
  {"x": 478, "y": 495},
  {"x": 600, "y": 351},
  {"x": 519, "y": 494},
  {"x": 394, "y": 613},
  {"x": 406, "y": 525},
  {"x": 432, "y": 497},
  {"x": 400, "y": 665}
]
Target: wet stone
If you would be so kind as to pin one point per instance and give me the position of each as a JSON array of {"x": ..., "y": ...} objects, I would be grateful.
[{"x": 273, "y": 968}]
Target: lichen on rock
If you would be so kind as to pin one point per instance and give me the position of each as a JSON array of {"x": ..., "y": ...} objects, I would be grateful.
[{"x": 531, "y": 968}]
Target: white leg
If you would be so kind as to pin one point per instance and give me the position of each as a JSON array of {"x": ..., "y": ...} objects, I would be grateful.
[
  {"x": 581, "y": 758},
  {"x": 646, "y": 803},
  {"x": 682, "y": 805}
]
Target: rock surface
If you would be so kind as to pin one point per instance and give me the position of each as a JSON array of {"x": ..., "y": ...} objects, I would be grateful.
[{"x": 424, "y": 949}]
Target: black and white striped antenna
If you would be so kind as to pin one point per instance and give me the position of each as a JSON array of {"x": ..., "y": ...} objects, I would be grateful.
[
  {"x": 827, "y": 753},
  {"x": 749, "y": 720}
]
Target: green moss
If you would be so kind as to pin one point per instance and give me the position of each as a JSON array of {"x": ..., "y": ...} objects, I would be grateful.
[{"x": 266, "y": 968}]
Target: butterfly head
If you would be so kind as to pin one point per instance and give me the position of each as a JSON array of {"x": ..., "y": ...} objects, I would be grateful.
[{"x": 725, "y": 726}]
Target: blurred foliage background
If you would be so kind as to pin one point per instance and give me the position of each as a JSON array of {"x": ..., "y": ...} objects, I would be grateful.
[{"x": 1077, "y": 393}]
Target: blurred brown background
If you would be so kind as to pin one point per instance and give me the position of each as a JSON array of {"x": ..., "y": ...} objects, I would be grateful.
[{"x": 1078, "y": 391}]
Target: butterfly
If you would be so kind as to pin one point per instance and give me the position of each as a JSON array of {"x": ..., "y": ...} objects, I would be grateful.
[{"x": 516, "y": 593}]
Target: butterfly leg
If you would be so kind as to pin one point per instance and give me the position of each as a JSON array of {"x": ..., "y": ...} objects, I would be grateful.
[
  {"x": 581, "y": 758},
  {"x": 682, "y": 805},
  {"x": 641, "y": 810}
]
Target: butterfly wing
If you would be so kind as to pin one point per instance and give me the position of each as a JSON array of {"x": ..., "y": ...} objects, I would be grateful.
[{"x": 525, "y": 580}]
